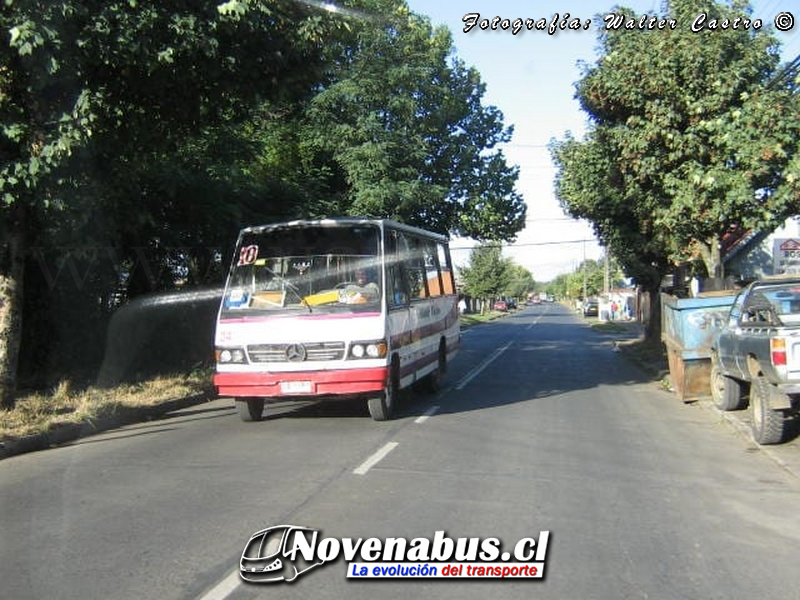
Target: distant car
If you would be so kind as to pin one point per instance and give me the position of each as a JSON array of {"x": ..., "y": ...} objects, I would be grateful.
[
  {"x": 512, "y": 304},
  {"x": 591, "y": 308},
  {"x": 500, "y": 305}
]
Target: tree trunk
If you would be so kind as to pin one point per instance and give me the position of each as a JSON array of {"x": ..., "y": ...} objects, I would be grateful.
[
  {"x": 12, "y": 270},
  {"x": 652, "y": 325},
  {"x": 712, "y": 259}
]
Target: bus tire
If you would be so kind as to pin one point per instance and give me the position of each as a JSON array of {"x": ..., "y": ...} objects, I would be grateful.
[
  {"x": 250, "y": 409},
  {"x": 382, "y": 407},
  {"x": 768, "y": 424},
  {"x": 433, "y": 381}
]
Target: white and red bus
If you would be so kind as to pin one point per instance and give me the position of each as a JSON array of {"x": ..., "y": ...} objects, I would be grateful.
[{"x": 335, "y": 309}]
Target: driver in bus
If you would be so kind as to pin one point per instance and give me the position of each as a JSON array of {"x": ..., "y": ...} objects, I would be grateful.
[{"x": 362, "y": 290}]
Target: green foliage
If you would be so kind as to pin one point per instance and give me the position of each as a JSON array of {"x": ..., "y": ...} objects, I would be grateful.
[
  {"x": 121, "y": 164},
  {"x": 589, "y": 276},
  {"x": 687, "y": 139},
  {"x": 590, "y": 185},
  {"x": 401, "y": 132},
  {"x": 103, "y": 104},
  {"x": 520, "y": 281},
  {"x": 488, "y": 274}
]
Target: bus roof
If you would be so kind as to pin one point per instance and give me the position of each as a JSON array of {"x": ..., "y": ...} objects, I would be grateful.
[{"x": 344, "y": 222}]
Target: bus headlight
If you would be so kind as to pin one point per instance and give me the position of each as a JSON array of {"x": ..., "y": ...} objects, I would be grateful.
[
  {"x": 229, "y": 356},
  {"x": 376, "y": 349}
]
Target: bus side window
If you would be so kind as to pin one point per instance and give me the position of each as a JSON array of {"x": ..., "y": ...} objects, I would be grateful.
[
  {"x": 398, "y": 296},
  {"x": 446, "y": 269},
  {"x": 397, "y": 291},
  {"x": 414, "y": 266},
  {"x": 432, "y": 272}
]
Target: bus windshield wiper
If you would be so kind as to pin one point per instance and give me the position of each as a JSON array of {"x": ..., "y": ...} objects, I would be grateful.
[{"x": 288, "y": 285}]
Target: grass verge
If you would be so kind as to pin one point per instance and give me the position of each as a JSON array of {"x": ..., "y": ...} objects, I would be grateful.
[
  {"x": 468, "y": 320},
  {"x": 41, "y": 412}
]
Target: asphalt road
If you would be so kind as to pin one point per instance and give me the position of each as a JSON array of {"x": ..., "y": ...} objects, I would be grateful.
[{"x": 541, "y": 426}]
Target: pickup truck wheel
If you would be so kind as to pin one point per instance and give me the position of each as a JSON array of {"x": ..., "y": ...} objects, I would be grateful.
[
  {"x": 726, "y": 391},
  {"x": 250, "y": 409},
  {"x": 768, "y": 425}
]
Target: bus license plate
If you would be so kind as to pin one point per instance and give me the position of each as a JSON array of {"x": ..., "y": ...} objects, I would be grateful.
[{"x": 296, "y": 387}]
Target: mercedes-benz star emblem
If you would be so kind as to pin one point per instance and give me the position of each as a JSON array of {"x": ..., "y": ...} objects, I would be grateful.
[{"x": 296, "y": 352}]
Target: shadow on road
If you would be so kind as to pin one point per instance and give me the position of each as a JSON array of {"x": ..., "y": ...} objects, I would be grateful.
[{"x": 554, "y": 355}]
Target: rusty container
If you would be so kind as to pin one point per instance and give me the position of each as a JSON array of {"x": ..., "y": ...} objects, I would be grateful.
[{"x": 688, "y": 327}]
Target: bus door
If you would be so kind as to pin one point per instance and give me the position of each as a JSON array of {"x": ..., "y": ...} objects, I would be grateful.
[
  {"x": 397, "y": 302},
  {"x": 421, "y": 356}
]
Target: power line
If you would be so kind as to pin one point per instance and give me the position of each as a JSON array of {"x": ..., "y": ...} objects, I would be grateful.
[{"x": 525, "y": 244}]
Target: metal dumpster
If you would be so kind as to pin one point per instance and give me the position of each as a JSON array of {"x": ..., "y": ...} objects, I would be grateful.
[{"x": 688, "y": 326}]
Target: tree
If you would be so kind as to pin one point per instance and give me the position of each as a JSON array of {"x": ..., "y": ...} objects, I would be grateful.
[
  {"x": 488, "y": 273},
  {"x": 590, "y": 185},
  {"x": 559, "y": 286},
  {"x": 687, "y": 138},
  {"x": 402, "y": 132},
  {"x": 93, "y": 94},
  {"x": 520, "y": 283},
  {"x": 699, "y": 130}
]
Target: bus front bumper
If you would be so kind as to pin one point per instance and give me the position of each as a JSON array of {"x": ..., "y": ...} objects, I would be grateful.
[{"x": 336, "y": 382}]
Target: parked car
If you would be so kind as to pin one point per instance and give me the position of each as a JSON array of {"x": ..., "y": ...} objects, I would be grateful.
[
  {"x": 591, "y": 308},
  {"x": 755, "y": 357},
  {"x": 500, "y": 305}
]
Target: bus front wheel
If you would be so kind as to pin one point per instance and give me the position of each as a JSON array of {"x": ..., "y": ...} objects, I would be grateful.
[
  {"x": 250, "y": 409},
  {"x": 382, "y": 407}
]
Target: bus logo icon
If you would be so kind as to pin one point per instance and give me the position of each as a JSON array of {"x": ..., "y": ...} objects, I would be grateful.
[
  {"x": 296, "y": 353},
  {"x": 271, "y": 555}
]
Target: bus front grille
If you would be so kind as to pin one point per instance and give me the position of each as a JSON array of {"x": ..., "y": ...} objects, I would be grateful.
[{"x": 275, "y": 353}]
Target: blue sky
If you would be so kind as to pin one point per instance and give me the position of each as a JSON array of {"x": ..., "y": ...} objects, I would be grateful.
[{"x": 530, "y": 77}]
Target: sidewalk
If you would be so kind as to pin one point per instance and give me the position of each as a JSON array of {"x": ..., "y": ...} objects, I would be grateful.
[
  {"x": 622, "y": 334},
  {"x": 787, "y": 454}
]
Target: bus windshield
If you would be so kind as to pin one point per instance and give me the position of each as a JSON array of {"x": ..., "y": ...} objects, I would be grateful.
[{"x": 306, "y": 269}]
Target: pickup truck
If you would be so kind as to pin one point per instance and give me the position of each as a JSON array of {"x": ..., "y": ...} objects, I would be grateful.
[{"x": 758, "y": 351}]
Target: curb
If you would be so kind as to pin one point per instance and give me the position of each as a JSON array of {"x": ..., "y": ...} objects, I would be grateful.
[
  {"x": 74, "y": 431},
  {"x": 742, "y": 429}
]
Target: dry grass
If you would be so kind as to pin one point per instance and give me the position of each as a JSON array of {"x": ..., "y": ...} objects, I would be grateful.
[
  {"x": 40, "y": 412},
  {"x": 650, "y": 355}
]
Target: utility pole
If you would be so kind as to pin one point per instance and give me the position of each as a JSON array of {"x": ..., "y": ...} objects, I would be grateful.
[{"x": 584, "y": 270}]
